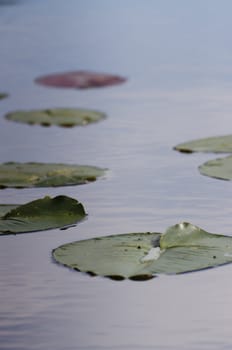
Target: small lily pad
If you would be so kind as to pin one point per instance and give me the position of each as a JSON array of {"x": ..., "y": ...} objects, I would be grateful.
[
  {"x": 220, "y": 168},
  {"x": 20, "y": 175},
  {"x": 80, "y": 80},
  {"x": 218, "y": 144},
  {"x": 140, "y": 256},
  {"x": 59, "y": 116},
  {"x": 41, "y": 214},
  {"x": 3, "y": 95}
]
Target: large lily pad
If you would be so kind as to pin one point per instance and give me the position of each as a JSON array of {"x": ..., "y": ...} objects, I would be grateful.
[
  {"x": 20, "y": 175},
  {"x": 59, "y": 116},
  {"x": 218, "y": 144},
  {"x": 182, "y": 248},
  {"x": 220, "y": 168},
  {"x": 80, "y": 80},
  {"x": 41, "y": 214}
]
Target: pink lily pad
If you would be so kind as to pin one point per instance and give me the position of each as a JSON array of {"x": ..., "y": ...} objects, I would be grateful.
[{"x": 80, "y": 80}]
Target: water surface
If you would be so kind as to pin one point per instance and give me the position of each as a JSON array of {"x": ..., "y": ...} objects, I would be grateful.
[{"x": 177, "y": 57}]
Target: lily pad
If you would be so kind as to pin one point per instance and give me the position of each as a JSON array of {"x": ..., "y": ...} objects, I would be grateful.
[
  {"x": 41, "y": 214},
  {"x": 3, "y": 95},
  {"x": 218, "y": 144},
  {"x": 59, "y": 116},
  {"x": 220, "y": 168},
  {"x": 20, "y": 175},
  {"x": 80, "y": 80},
  {"x": 140, "y": 256}
]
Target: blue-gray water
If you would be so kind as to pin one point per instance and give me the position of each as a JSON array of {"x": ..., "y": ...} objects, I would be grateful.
[{"x": 177, "y": 56}]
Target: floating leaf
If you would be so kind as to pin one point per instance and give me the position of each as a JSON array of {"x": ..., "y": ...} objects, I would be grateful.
[
  {"x": 218, "y": 144},
  {"x": 41, "y": 214},
  {"x": 59, "y": 116},
  {"x": 220, "y": 168},
  {"x": 3, "y": 95},
  {"x": 182, "y": 248},
  {"x": 80, "y": 80},
  {"x": 20, "y": 175}
]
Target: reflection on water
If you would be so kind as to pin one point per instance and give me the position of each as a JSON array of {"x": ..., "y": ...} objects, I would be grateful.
[{"x": 177, "y": 57}]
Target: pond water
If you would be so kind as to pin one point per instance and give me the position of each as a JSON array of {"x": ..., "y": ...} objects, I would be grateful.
[{"x": 177, "y": 58}]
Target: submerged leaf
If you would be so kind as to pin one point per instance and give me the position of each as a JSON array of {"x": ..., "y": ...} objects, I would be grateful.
[
  {"x": 218, "y": 144},
  {"x": 59, "y": 116},
  {"x": 22, "y": 175},
  {"x": 41, "y": 214},
  {"x": 182, "y": 248},
  {"x": 80, "y": 80},
  {"x": 220, "y": 168}
]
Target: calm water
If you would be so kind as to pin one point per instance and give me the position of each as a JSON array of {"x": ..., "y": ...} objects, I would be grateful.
[{"x": 177, "y": 56}]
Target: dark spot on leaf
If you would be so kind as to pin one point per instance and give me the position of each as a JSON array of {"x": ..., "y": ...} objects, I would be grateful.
[
  {"x": 91, "y": 273},
  {"x": 182, "y": 150},
  {"x": 116, "y": 277},
  {"x": 91, "y": 178},
  {"x": 141, "y": 277},
  {"x": 67, "y": 125},
  {"x": 75, "y": 268}
]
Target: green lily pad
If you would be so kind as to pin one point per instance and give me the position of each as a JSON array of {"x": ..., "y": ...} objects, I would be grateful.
[
  {"x": 3, "y": 95},
  {"x": 20, "y": 175},
  {"x": 218, "y": 144},
  {"x": 41, "y": 214},
  {"x": 59, "y": 116},
  {"x": 140, "y": 256},
  {"x": 220, "y": 168}
]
